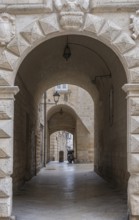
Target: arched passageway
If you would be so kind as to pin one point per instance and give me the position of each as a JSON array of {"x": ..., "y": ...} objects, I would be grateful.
[
  {"x": 92, "y": 66},
  {"x": 29, "y": 59},
  {"x": 60, "y": 118},
  {"x": 76, "y": 115},
  {"x": 99, "y": 71},
  {"x": 61, "y": 142}
]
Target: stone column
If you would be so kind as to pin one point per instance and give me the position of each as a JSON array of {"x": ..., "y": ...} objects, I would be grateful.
[
  {"x": 6, "y": 149},
  {"x": 133, "y": 148}
]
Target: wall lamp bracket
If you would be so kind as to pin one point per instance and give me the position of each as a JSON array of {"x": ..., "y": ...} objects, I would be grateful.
[{"x": 102, "y": 76}]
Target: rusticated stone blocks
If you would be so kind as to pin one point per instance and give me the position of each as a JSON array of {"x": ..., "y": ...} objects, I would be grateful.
[
  {"x": 133, "y": 218},
  {"x": 133, "y": 148},
  {"x": 6, "y": 150},
  {"x": 8, "y": 218},
  {"x": 133, "y": 194},
  {"x": 5, "y": 196}
]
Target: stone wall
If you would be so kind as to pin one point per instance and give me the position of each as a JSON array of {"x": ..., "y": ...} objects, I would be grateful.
[
  {"x": 111, "y": 134},
  {"x": 28, "y": 136}
]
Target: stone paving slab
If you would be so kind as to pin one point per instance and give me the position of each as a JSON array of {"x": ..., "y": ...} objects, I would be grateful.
[{"x": 69, "y": 192}]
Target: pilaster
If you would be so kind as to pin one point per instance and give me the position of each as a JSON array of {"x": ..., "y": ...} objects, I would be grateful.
[
  {"x": 6, "y": 149},
  {"x": 133, "y": 148}
]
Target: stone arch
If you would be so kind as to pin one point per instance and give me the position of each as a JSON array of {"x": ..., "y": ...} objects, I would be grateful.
[
  {"x": 48, "y": 27},
  {"x": 66, "y": 107},
  {"x": 67, "y": 113},
  {"x": 19, "y": 47},
  {"x": 61, "y": 121},
  {"x": 70, "y": 121}
]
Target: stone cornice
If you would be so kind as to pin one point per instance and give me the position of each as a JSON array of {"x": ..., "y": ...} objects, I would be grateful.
[
  {"x": 95, "y": 6},
  {"x": 130, "y": 87},
  {"x": 132, "y": 90},
  {"x": 24, "y": 8},
  {"x": 109, "y": 6},
  {"x": 8, "y": 92}
]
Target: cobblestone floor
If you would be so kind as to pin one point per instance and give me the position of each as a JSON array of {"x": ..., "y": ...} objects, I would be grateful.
[{"x": 69, "y": 192}]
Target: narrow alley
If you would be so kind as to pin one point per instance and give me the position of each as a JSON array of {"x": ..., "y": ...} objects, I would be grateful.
[{"x": 63, "y": 191}]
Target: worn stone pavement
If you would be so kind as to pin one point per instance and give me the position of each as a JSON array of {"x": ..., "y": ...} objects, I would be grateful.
[{"x": 63, "y": 191}]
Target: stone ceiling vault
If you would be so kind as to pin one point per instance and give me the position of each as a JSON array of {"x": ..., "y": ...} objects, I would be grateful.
[
  {"x": 65, "y": 120},
  {"x": 45, "y": 66}
]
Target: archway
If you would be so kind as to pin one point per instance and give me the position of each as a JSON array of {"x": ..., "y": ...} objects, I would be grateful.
[
  {"x": 113, "y": 39},
  {"x": 60, "y": 141},
  {"x": 60, "y": 119},
  {"x": 99, "y": 77},
  {"x": 74, "y": 116}
]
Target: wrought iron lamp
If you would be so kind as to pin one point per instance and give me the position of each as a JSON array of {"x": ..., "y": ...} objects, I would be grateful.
[
  {"x": 67, "y": 51},
  {"x": 67, "y": 54},
  {"x": 56, "y": 96}
]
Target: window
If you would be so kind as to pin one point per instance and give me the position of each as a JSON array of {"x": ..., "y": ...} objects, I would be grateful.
[{"x": 61, "y": 87}]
